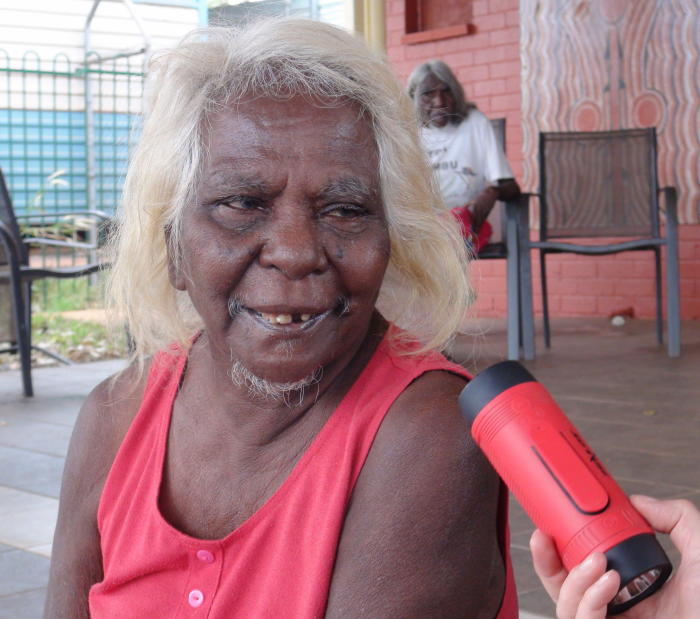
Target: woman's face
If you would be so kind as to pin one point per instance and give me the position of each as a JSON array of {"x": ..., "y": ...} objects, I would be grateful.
[{"x": 284, "y": 251}]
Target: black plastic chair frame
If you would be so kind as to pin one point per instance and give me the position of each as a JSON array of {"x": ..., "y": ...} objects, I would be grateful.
[
  {"x": 545, "y": 245},
  {"x": 519, "y": 322},
  {"x": 19, "y": 276},
  {"x": 515, "y": 216}
]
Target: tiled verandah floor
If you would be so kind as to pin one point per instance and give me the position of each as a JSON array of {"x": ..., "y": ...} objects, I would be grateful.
[{"x": 638, "y": 409}]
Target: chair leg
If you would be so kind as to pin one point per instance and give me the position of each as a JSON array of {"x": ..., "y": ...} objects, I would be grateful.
[
  {"x": 673, "y": 312},
  {"x": 673, "y": 306},
  {"x": 513, "y": 287},
  {"x": 545, "y": 304},
  {"x": 24, "y": 343},
  {"x": 526, "y": 309},
  {"x": 659, "y": 311},
  {"x": 527, "y": 327}
]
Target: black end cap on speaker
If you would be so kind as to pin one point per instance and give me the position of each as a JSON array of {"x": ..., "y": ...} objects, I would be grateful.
[
  {"x": 633, "y": 557},
  {"x": 486, "y": 385}
]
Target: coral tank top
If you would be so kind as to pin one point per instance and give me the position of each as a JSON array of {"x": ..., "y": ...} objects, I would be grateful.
[{"x": 279, "y": 562}]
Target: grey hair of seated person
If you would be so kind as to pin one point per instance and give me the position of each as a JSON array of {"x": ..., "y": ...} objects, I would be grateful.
[{"x": 443, "y": 72}]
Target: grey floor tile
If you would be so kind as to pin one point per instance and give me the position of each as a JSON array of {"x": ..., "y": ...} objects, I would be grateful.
[
  {"x": 31, "y": 471},
  {"x": 660, "y": 468},
  {"x": 25, "y": 605},
  {"x": 531, "y": 595},
  {"x": 62, "y": 412},
  {"x": 13, "y": 501},
  {"x": 22, "y": 571},
  {"x": 538, "y": 603},
  {"x": 30, "y": 528},
  {"x": 46, "y": 438}
]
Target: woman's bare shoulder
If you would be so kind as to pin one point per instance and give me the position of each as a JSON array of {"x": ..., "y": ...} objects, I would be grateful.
[
  {"x": 420, "y": 531},
  {"x": 105, "y": 417}
]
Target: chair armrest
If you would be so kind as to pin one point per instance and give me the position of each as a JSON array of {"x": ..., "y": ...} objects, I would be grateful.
[
  {"x": 521, "y": 211},
  {"x": 41, "y": 218},
  {"x": 58, "y": 244},
  {"x": 519, "y": 206},
  {"x": 670, "y": 204},
  {"x": 12, "y": 252},
  {"x": 98, "y": 218}
]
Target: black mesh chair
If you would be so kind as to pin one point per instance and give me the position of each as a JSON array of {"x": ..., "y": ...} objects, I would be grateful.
[
  {"x": 17, "y": 276},
  {"x": 603, "y": 185},
  {"x": 514, "y": 214}
]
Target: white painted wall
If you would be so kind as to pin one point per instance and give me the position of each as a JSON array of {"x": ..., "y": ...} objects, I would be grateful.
[{"x": 50, "y": 27}]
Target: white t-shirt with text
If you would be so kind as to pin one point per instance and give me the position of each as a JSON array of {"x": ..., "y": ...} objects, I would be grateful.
[{"x": 466, "y": 158}]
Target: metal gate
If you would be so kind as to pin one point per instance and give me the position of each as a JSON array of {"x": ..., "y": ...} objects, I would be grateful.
[{"x": 66, "y": 130}]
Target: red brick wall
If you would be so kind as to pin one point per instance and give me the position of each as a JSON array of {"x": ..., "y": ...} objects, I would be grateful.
[{"x": 487, "y": 63}]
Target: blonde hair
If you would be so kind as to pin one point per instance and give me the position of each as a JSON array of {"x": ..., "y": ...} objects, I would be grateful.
[{"x": 425, "y": 290}]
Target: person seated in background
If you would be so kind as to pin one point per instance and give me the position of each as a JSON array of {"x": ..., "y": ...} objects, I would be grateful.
[
  {"x": 469, "y": 164},
  {"x": 287, "y": 441},
  {"x": 585, "y": 592}
]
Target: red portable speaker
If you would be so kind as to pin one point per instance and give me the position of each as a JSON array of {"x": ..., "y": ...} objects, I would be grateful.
[{"x": 559, "y": 481}]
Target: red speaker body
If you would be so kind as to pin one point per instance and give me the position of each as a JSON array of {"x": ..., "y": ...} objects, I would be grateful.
[{"x": 559, "y": 481}]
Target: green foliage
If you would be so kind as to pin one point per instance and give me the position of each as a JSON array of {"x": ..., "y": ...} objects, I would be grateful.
[
  {"x": 60, "y": 324},
  {"x": 66, "y": 295},
  {"x": 77, "y": 340}
]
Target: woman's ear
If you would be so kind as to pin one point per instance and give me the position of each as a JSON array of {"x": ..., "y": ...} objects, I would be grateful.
[{"x": 175, "y": 274}]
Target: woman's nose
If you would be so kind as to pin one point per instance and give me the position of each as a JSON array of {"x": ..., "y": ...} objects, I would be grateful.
[{"x": 293, "y": 244}]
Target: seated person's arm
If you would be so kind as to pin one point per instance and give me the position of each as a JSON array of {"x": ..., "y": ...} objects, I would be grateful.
[
  {"x": 420, "y": 538},
  {"x": 507, "y": 189},
  {"x": 76, "y": 562}
]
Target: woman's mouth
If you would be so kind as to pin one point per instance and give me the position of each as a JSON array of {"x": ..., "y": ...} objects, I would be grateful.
[
  {"x": 285, "y": 319},
  {"x": 301, "y": 319}
]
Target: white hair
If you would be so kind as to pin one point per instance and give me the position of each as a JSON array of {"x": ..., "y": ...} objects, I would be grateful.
[
  {"x": 425, "y": 290},
  {"x": 442, "y": 71}
]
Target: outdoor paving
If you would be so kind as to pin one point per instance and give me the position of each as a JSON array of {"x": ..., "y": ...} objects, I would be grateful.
[{"x": 638, "y": 409}]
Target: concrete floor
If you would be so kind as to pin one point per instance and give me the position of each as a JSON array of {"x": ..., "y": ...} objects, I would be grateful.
[{"x": 637, "y": 408}]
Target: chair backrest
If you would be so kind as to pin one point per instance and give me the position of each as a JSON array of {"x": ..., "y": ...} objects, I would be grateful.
[
  {"x": 499, "y": 128},
  {"x": 598, "y": 184},
  {"x": 7, "y": 216},
  {"x": 497, "y": 221}
]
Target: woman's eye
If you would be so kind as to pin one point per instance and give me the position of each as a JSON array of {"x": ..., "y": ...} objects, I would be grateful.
[
  {"x": 238, "y": 212},
  {"x": 244, "y": 203},
  {"x": 344, "y": 211}
]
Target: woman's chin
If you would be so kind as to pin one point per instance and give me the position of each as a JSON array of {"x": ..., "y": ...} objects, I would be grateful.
[{"x": 274, "y": 384}]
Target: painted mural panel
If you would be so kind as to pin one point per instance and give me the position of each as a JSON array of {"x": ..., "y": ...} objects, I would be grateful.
[{"x": 592, "y": 65}]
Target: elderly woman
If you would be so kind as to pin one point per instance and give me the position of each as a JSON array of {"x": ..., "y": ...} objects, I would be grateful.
[
  {"x": 279, "y": 447},
  {"x": 469, "y": 164}
]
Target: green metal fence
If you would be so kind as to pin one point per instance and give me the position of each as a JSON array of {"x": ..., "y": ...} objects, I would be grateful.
[{"x": 66, "y": 130}]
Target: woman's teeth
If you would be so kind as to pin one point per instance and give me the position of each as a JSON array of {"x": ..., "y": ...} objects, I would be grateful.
[{"x": 285, "y": 319}]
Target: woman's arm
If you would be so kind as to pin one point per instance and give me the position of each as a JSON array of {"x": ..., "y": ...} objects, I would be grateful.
[
  {"x": 76, "y": 562},
  {"x": 420, "y": 537}
]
